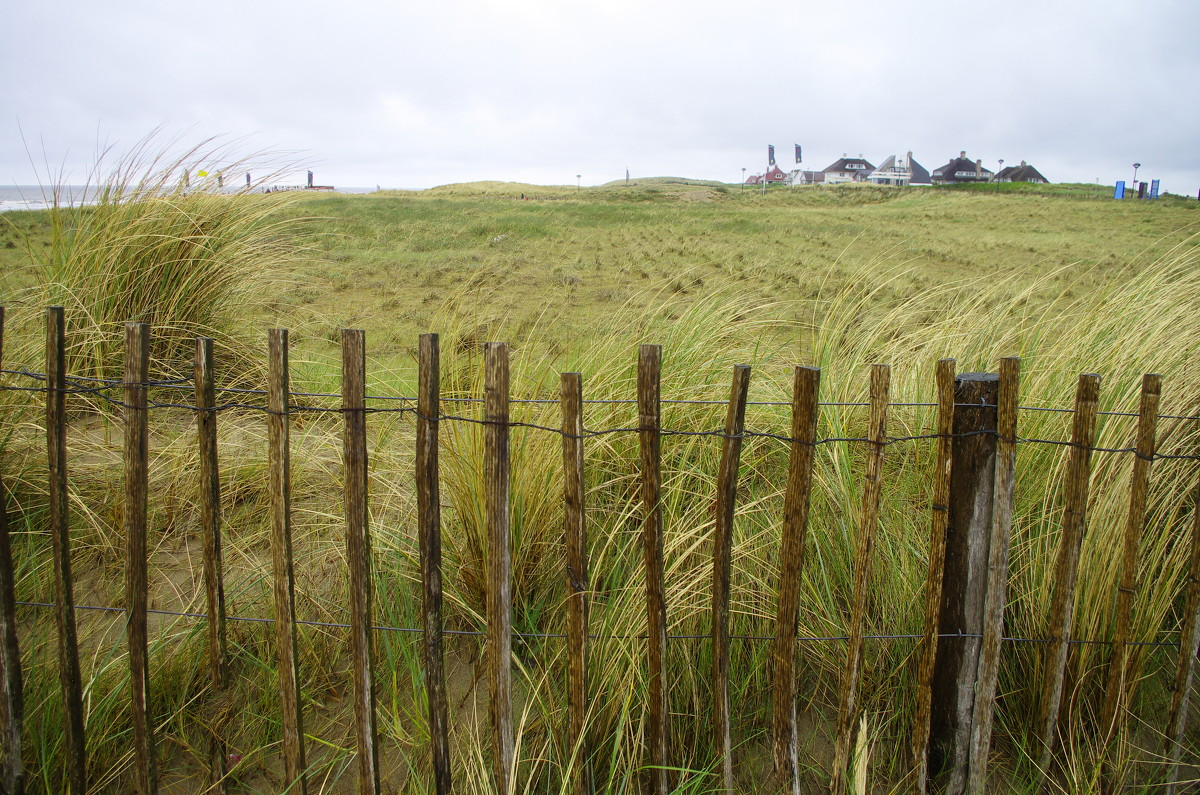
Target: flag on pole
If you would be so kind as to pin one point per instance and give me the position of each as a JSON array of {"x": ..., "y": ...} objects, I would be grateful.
[
  {"x": 771, "y": 155},
  {"x": 798, "y": 153}
]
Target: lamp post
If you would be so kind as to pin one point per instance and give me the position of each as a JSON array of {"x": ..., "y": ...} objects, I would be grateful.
[
  {"x": 578, "y": 184},
  {"x": 743, "y": 179},
  {"x": 1136, "y": 166},
  {"x": 998, "y": 170}
]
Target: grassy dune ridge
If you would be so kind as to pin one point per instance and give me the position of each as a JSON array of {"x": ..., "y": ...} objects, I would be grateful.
[{"x": 838, "y": 277}]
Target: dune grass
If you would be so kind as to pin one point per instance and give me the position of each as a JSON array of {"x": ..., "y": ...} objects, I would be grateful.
[{"x": 837, "y": 279}]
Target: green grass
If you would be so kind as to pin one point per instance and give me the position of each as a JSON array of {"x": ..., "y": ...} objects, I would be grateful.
[{"x": 838, "y": 277}]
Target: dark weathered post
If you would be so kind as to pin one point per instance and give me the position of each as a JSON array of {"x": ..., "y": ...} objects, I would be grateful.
[
  {"x": 283, "y": 577},
  {"x": 571, "y": 398},
  {"x": 137, "y": 470},
  {"x": 650, "y": 441},
  {"x": 429, "y": 524},
  {"x": 964, "y": 575},
  {"x": 940, "y": 510},
  {"x": 12, "y": 702},
  {"x": 1119, "y": 687},
  {"x": 868, "y": 524},
  {"x": 210, "y": 529},
  {"x": 358, "y": 553},
  {"x": 499, "y": 580},
  {"x": 64, "y": 599},
  {"x": 802, "y": 449},
  {"x": 997, "y": 577},
  {"x": 1066, "y": 567},
  {"x": 727, "y": 478}
]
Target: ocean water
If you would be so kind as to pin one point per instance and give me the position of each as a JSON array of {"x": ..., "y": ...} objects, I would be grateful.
[{"x": 35, "y": 197}]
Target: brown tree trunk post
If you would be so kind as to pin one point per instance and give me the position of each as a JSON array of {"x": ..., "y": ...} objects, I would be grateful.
[
  {"x": 283, "y": 576},
  {"x": 802, "y": 446},
  {"x": 964, "y": 575},
  {"x": 997, "y": 577},
  {"x": 12, "y": 702},
  {"x": 571, "y": 397},
  {"x": 1189, "y": 634},
  {"x": 358, "y": 554},
  {"x": 429, "y": 523},
  {"x": 731, "y": 452},
  {"x": 941, "y": 520},
  {"x": 64, "y": 599},
  {"x": 650, "y": 438},
  {"x": 210, "y": 528},
  {"x": 868, "y": 524},
  {"x": 1119, "y": 688},
  {"x": 499, "y": 581},
  {"x": 137, "y": 471},
  {"x": 1066, "y": 568}
]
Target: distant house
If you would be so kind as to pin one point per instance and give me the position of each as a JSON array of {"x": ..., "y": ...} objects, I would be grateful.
[
  {"x": 774, "y": 176},
  {"x": 900, "y": 170},
  {"x": 848, "y": 169},
  {"x": 799, "y": 177},
  {"x": 960, "y": 169},
  {"x": 1021, "y": 173}
]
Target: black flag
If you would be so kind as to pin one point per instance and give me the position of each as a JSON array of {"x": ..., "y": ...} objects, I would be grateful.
[
  {"x": 798, "y": 153},
  {"x": 771, "y": 155}
]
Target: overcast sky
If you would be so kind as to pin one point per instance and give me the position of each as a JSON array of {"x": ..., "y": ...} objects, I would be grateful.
[{"x": 417, "y": 93}]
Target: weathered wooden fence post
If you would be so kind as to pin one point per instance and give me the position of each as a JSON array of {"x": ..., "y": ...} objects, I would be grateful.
[
  {"x": 578, "y": 597},
  {"x": 283, "y": 576},
  {"x": 137, "y": 471},
  {"x": 1185, "y": 667},
  {"x": 1066, "y": 566},
  {"x": 358, "y": 553},
  {"x": 499, "y": 576},
  {"x": 997, "y": 580},
  {"x": 796, "y": 503},
  {"x": 964, "y": 575},
  {"x": 210, "y": 528},
  {"x": 429, "y": 524},
  {"x": 864, "y": 545},
  {"x": 12, "y": 702},
  {"x": 64, "y": 599},
  {"x": 727, "y": 478},
  {"x": 940, "y": 510},
  {"x": 650, "y": 439}
]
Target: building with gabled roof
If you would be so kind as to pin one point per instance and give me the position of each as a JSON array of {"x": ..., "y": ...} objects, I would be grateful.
[
  {"x": 900, "y": 170},
  {"x": 848, "y": 169},
  {"x": 1021, "y": 173},
  {"x": 960, "y": 169}
]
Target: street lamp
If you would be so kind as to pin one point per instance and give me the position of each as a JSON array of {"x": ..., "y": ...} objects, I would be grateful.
[
  {"x": 998, "y": 170},
  {"x": 743, "y": 179},
  {"x": 578, "y": 184},
  {"x": 1136, "y": 166}
]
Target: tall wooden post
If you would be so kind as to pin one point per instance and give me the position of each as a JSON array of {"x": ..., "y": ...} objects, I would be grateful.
[
  {"x": 499, "y": 580},
  {"x": 64, "y": 599},
  {"x": 210, "y": 530},
  {"x": 283, "y": 580},
  {"x": 137, "y": 469},
  {"x": 429, "y": 528},
  {"x": 964, "y": 575},
  {"x": 358, "y": 554},
  {"x": 571, "y": 395},
  {"x": 650, "y": 438}
]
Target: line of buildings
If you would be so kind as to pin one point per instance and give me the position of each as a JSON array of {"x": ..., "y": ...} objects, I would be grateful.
[{"x": 899, "y": 170}]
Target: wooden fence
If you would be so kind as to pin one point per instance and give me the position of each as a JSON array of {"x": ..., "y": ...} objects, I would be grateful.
[{"x": 976, "y": 444}]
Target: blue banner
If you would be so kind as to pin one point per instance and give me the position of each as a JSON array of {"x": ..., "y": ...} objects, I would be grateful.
[
  {"x": 771, "y": 154},
  {"x": 1153, "y": 189},
  {"x": 1119, "y": 192},
  {"x": 798, "y": 160}
]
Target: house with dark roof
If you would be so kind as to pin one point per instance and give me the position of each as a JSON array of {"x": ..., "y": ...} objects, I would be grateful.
[
  {"x": 1021, "y": 173},
  {"x": 960, "y": 169},
  {"x": 772, "y": 177},
  {"x": 900, "y": 170},
  {"x": 801, "y": 177},
  {"x": 848, "y": 169}
]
